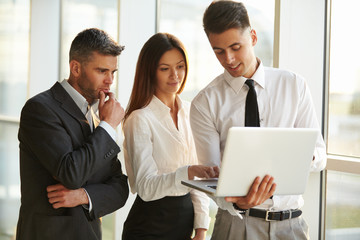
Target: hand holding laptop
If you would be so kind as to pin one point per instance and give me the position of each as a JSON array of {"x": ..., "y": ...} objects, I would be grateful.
[{"x": 258, "y": 193}]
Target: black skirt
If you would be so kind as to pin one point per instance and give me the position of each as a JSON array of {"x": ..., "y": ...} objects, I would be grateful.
[{"x": 163, "y": 219}]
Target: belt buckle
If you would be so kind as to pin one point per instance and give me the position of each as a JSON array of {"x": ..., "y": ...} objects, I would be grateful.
[
  {"x": 283, "y": 215},
  {"x": 267, "y": 217}
]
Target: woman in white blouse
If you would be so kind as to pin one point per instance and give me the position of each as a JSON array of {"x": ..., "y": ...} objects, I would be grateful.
[{"x": 159, "y": 148}]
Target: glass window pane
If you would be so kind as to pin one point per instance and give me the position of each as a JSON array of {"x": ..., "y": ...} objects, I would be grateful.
[
  {"x": 14, "y": 55},
  {"x": 77, "y": 15},
  {"x": 342, "y": 206},
  {"x": 108, "y": 225},
  {"x": 9, "y": 180},
  {"x": 344, "y": 80},
  {"x": 14, "y": 64},
  {"x": 184, "y": 20}
]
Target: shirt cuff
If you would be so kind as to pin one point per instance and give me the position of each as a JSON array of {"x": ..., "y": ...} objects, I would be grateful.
[
  {"x": 201, "y": 220},
  {"x": 109, "y": 129},
  {"x": 223, "y": 204},
  {"x": 87, "y": 207},
  {"x": 180, "y": 175}
]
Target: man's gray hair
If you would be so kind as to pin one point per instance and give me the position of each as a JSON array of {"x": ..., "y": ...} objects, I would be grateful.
[{"x": 93, "y": 40}]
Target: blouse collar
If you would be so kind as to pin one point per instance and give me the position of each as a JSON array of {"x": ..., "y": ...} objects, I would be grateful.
[{"x": 157, "y": 106}]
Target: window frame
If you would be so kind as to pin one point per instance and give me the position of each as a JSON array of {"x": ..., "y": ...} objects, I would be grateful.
[
  {"x": 346, "y": 164},
  {"x": 339, "y": 163}
]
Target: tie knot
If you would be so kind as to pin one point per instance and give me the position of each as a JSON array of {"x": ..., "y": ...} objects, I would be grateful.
[{"x": 250, "y": 83}]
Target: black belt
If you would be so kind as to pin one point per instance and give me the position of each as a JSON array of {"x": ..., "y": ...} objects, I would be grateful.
[{"x": 274, "y": 216}]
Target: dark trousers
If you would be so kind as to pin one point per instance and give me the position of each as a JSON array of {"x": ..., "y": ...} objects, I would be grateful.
[{"x": 166, "y": 218}]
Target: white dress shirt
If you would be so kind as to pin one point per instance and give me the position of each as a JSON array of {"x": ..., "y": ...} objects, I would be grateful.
[
  {"x": 157, "y": 155},
  {"x": 284, "y": 100},
  {"x": 83, "y": 105}
]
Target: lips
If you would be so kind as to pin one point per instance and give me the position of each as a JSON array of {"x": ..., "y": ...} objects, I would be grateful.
[
  {"x": 105, "y": 90},
  {"x": 173, "y": 83},
  {"x": 234, "y": 68}
]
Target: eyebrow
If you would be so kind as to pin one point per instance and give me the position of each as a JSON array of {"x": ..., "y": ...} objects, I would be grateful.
[
  {"x": 168, "y": 64},
  {"x": 106, "y": 69},
  {"x": 234, "y": 44}
]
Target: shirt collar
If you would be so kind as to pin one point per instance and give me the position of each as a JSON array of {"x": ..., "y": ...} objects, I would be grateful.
[
  {"x": 156, "y": 105},
  {"x": 236, "y": 83},
  {"x": 78, "y": 98}
]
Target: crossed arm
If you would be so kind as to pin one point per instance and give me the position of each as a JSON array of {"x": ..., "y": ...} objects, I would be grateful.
[
  {"x": 73, "y": 167},
  {"x": 59, "y": 196}
]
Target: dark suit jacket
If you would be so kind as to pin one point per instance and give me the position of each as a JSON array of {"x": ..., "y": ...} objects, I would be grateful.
[{"x": 57, "y": 146}]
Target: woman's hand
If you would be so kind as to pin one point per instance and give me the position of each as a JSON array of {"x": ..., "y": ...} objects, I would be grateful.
[
  {"x": 202, "y": 171},
  {"x": 200, "y": 234}
]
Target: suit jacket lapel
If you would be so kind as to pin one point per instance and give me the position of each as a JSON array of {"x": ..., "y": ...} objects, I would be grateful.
[{"x": 68, "y": 104}]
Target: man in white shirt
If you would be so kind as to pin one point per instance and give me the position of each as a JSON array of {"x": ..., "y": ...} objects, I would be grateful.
[{"x": 283, "y": 101}]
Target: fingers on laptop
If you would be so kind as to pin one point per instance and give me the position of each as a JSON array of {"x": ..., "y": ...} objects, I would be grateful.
[{"x": 201, "y": 171}]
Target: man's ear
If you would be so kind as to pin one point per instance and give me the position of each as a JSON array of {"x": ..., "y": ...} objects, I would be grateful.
[
  {"x": 75, "y": 68},
  {"x": 253, "y": 37}
]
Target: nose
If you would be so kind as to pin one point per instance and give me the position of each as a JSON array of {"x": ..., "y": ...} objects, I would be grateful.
[
  {"x": 229, "y": 57},
  {"x": 174, "y": 73},
  {"x": 109, "y": 78}
]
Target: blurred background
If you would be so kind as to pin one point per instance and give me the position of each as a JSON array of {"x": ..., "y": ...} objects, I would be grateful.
[{"x": 316, "y": 39}]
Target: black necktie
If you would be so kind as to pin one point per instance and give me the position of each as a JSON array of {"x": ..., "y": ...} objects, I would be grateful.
[{"x": 251, "y": 108}]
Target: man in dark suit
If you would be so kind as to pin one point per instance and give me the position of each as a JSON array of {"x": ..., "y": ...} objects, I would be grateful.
[{"x": 70, "y": 174}]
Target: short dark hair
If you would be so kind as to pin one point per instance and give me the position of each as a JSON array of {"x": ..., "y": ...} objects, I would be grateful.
[
  {"x": 93, "y": 40},
  {"x": 224, "y": 15}
]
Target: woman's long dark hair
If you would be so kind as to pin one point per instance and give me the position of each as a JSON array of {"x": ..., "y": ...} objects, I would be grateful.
[{"x": 147, "y": 64}]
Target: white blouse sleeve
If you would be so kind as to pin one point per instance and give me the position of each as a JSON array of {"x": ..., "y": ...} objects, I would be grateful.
[
  {"x": 201, "y": 204},
  {"x": 141, "y": 166},
  {"x": 199, "y": 199}
]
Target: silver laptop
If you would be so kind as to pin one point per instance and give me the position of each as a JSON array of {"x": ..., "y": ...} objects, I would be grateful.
[{"x": 284, "y": 153}]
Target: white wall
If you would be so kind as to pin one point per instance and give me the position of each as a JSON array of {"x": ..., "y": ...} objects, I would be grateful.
[
  {"x": 44, "y": 45},
  {"x": 302, "y": 51},
  {"x": 137, "y": 24}
]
